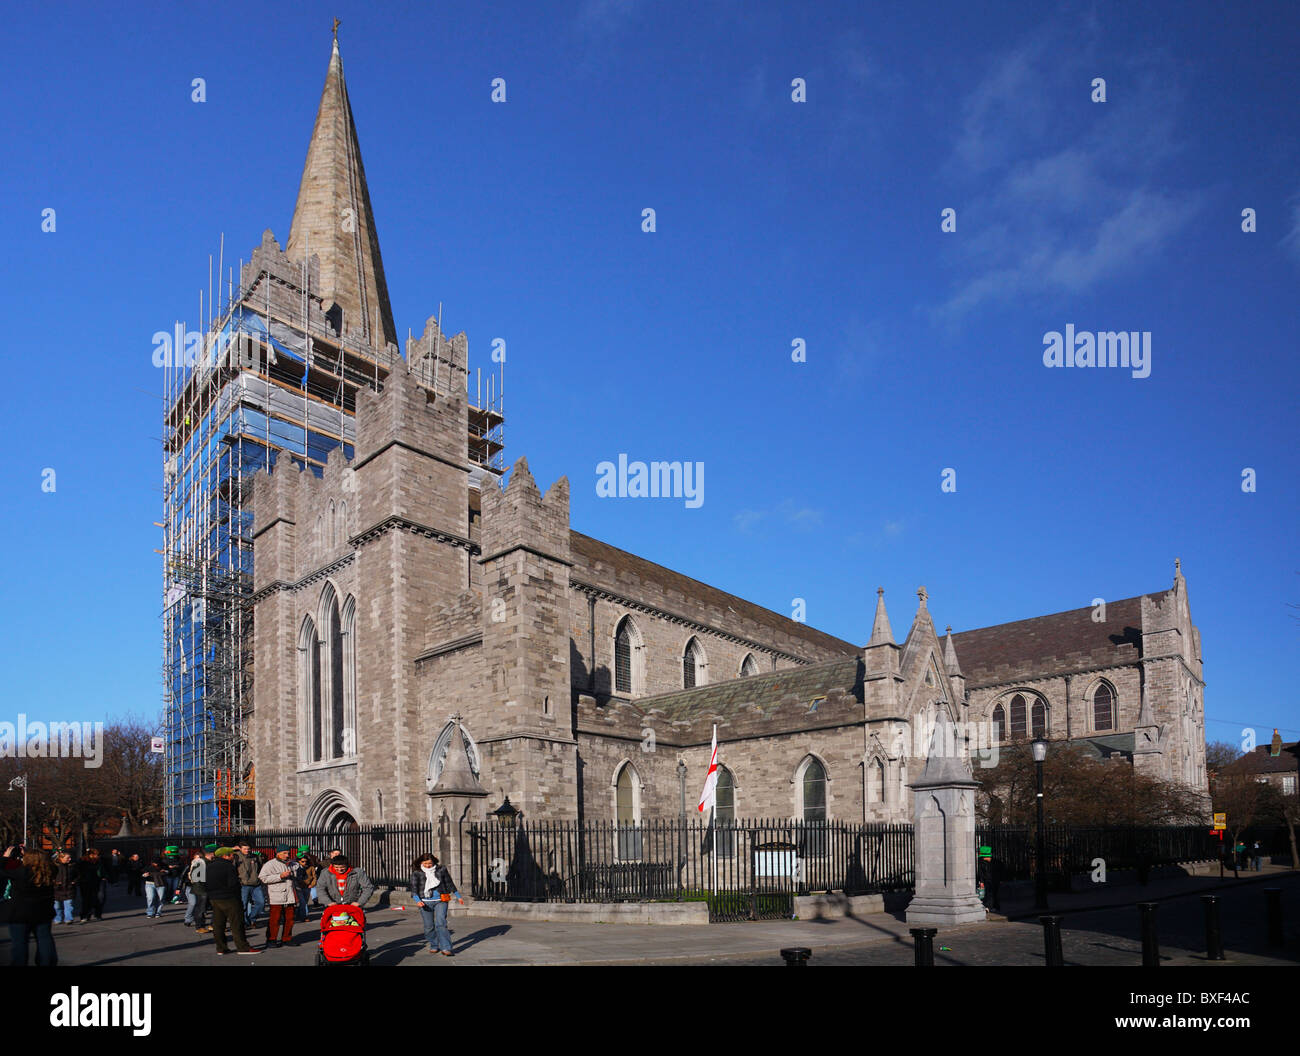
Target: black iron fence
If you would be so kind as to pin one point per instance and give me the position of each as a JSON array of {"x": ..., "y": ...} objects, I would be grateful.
[
  {"x": 1072, "y": 850},
  {"x": 385, "y": 852},
  {"x": 743, "y": 869}
]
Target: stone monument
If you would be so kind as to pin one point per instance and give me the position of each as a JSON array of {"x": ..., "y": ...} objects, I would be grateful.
[{"x": 944, "y": 823}]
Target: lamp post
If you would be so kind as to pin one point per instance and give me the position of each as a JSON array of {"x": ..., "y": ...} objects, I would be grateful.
[
  {"x": 1039, "y": 748},
  {"x": 681, "y": 825},
  {"x": 21, "y": 782}
]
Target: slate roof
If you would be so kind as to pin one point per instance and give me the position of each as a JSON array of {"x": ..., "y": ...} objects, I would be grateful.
[
  {"x": 1261, "y": 762},
  {"x": 620, "y": 571},
  {"x": 1102, "y": 747},
  {"x": 1055, "y": 644},
  {"x": 767, "y": 691}
]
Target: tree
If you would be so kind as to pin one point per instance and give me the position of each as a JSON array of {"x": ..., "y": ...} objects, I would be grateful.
[{"x": 1081, "y": 790}]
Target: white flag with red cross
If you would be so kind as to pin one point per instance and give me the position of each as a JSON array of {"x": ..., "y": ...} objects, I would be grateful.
[{"x": 709, "y": 796}]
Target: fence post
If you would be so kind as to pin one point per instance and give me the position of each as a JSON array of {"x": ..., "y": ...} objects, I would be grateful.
[
  {"x": 1274, "y": 896},
  {"x": 1052, "y": 940},
  {"x": 1213, "y": 939},
  {"x": 1150, "y": 941},
  {"x": 923, "y": 946}
]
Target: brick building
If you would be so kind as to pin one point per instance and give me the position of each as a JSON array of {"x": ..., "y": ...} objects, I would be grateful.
[{"x": 428, "y": 641}]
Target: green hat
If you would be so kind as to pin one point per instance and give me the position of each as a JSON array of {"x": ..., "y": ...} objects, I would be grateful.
[
  {"x": 985, "y": 852},
  {"x": 171, "y": 849},
  {"x": 209, "y": 847},
  {"x": 282, "y": 847},
  {"x": 222, "y": 852},
  {"x": 303, "y": 849}
]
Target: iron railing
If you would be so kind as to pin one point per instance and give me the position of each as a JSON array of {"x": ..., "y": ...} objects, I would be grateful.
[{"x": 749, "y": 869}]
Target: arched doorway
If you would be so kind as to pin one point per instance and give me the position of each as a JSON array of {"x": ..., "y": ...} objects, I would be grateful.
[{"x": 333, "y": 816}]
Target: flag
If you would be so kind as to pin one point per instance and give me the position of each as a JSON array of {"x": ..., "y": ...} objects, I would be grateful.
[{"x": 708, "y": 797}]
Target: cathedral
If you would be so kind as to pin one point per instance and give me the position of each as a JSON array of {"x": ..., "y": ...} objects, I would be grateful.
[{"x": 431, "y": 636}]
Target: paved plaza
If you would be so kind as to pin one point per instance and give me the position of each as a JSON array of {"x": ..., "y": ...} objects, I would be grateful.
[{"x": 1090, "y": 936}]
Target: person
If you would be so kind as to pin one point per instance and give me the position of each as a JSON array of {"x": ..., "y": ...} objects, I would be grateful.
[
  {"x": 196, "y": 879},
  {"x": 281, "y": 879},
  {"x": 306, "y": 883},
  {"x": 342, "y": 883},
  {"x": 134, "y": 882},
  {"x": 155, "y": 887},
  {"x": 432, "y": 887},
  {"x": 1257, "y": 855},
  {"x": 173, "y": 872},
  {"x": 223, "y": 885},
  {"x": 90, "y": 875},
  {"x": 330, "y": 855},
  {"x": 989, "y": 873},
  {"x": 31, "y": 909},
  {"x": 248, "y": 863},
  {"x": 114, "y": 863},
  {"x": 64, "y": 884}
]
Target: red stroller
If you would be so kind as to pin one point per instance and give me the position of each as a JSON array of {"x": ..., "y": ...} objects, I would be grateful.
[{"x": 342, "y": 936}]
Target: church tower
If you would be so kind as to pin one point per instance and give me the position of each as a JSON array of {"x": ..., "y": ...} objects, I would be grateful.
[
  {"x": 345, "y": 478},
  {"x": 333, "y": 219}
]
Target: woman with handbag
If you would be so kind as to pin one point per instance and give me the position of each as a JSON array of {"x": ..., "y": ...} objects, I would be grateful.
[{"x": 432, "y": 887}]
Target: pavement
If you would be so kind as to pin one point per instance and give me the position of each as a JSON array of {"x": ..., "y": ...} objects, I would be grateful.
[{"x": 1100, "y": 927}]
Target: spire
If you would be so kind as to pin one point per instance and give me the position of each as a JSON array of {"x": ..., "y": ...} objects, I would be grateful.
[
  {"x": 950, "y": 656},
  {"x": 881, "y": 632},
  {"x": 333, "y": 218}
]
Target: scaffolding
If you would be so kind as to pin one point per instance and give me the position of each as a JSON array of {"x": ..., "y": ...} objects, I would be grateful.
[{"x": 251, "y": 387}]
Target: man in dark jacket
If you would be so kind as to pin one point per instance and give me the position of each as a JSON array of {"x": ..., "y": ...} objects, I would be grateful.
[
  {"x": 248, "y": 864},
  {"x": 64, "y": 886},
  {"x": 133, "y": 868},
  {"x": 90, "y": 875},
  {"x": 223, "y": 895},
  {"x": 174, "y": 867},
  {"x": 989, "y": 873}
]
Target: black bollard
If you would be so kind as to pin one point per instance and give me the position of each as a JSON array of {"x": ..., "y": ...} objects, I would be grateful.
[
  {"x": 1052, "y": 941},
  {"x": 1213, "y": 938},
  {"x": 1150, "y": 943},
  {"x": 1274, "y": 896},
  {"x": 796, "y": 956},
  {"x": 923, "y": 944}
]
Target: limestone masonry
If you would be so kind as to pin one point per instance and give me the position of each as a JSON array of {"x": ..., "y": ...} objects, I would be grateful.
[{"x": 428, "y": 641}]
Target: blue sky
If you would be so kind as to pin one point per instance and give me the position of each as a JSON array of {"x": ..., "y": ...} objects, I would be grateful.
[{"x": 775, "y": 221}]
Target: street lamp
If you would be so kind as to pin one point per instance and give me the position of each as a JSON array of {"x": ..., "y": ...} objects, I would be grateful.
[
  {"x": 1039, "y": 748},
  {"x": 21, "y": 782},
  {"x": 506, "y": 814}
]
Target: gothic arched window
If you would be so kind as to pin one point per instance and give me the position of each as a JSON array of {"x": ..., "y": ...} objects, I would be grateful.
[
  {"x": 1103, "y": 708},
  {"x": 627, "y": 813},
  {"x": 691, "y": 665},
  {"x": 1017, "y": 717},
  {"x": 309, "y": 648},
  {"x": 1039, "y": 713},
  {"x": 749, "y": 666},
  {"x": 623, "y": 656},
  {"x": 999, "y": 724},
  {"x": 814, "y": 791},
  {"x": 877, "y": 785},
  {"x": 725, "y": 812}
]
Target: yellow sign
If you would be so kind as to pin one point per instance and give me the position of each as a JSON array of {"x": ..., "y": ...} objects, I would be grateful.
[{"x": 1220, "y": 821}]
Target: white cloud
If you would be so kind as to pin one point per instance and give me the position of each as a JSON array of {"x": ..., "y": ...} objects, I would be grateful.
[{"x": 1049, "y": 212}]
